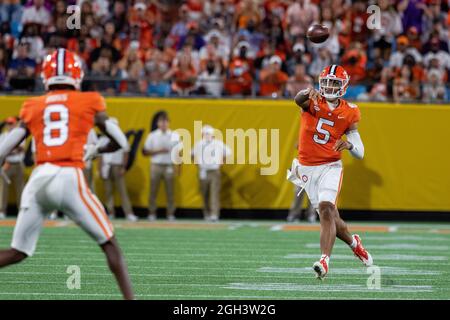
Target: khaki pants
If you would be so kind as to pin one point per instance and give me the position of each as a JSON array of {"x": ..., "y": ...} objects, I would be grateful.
[
  {"x": 210, "y": 189},
  {"x": 296, "y": 209},
  {"x": 116, "y": 177},
  {"x": 15, "y": 172},
  {"x": 157, "y": 173},
  {"x": 89, "y": 174}
]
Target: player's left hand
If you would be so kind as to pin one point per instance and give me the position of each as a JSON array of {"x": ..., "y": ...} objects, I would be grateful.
[{"x": 342, "y": 145}]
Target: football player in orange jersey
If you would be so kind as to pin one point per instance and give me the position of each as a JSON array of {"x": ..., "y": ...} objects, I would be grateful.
[
  {"x": 325, "y": 119},
  {"x": 59, "y": 122}
]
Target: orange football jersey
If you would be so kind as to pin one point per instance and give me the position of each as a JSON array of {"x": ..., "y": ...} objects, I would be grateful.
[
  {"x": 320, "y": 128},
  {"x": 60, "y": 122}
]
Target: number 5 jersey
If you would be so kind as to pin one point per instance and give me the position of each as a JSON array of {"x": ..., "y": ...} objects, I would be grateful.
[{"x": 321, "y": 127}]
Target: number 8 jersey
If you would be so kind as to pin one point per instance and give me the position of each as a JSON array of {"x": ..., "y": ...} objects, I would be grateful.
[
  {"x": 321, "y": 127},
  {"x": 60, "y": 122}
]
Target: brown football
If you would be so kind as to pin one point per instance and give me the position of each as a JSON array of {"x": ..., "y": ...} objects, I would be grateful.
[{"x": 317, "y": 33}]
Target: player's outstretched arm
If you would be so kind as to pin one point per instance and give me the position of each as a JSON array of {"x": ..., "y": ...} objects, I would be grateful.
[
  {"x": 12, "y": 140},
  {"x": 117, "y": 138},
  {"x": 303, "y": 96}
]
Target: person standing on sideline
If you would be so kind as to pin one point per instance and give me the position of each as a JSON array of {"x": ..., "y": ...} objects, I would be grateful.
[
  {"x": 159, "y": 146},
  {"x": 88, "y": 165},
  {"x": 209, "y": 154},
  {"x": 13, "y": 168},
  {"x": 112, "y": 171},
  {"x": 296, "y": 211}
]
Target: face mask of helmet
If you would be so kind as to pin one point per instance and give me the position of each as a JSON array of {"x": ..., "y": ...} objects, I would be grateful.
[{"x": 331, "y": 88}]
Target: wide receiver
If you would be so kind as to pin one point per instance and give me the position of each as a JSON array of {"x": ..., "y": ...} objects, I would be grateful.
[
  {"x": 59, "y": 122},
  {"x": 325, "y": 118}
]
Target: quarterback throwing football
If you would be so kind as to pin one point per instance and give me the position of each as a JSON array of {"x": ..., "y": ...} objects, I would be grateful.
[{"x": 325, "y": 119}]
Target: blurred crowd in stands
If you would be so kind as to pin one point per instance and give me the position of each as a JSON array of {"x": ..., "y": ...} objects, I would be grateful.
[{"x": 232, "y": 47}]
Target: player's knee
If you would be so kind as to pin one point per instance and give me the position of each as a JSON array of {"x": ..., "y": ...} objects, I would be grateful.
[{"x": 326, "y": 210}]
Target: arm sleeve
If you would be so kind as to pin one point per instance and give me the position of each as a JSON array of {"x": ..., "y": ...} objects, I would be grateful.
[
  {"x": 98, "y": 102},
  {"x": 116, "y": 133},
  {"x": 357, "y": 150},
  {"x": 12, "y": 140},
  {"x": 25, "y": 113}
]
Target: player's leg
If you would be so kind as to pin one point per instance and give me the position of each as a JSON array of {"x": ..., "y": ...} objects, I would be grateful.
[
  {"x": 85, "y": 209},
  {"x": 26, "y": 234},
  {"x": 118, "y": 267},
  {"x": 328, "y": 186},
  {"x": 342, "y": 230}
]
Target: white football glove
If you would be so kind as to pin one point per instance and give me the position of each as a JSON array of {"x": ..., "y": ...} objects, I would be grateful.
[
  {"x": 292, "y": 176},
  {"x": 90, "y": 152}
]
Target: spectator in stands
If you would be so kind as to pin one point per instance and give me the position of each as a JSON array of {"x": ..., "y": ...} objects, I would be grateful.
[
  {"x": 299, "y": 81},
  {"x": 320, "y": 61},
  {"x": 210, "y": 80},
  {"x": 403, "y": 48},
  {"x": 299, "y": 56},
  {"x": 11, "y": 15},
  {"x": 247, "y": 11},
  {"x": 391, "y": 27},
  {"x": 240, "y": 80},
  {"x": 299, "y": 16},
  {"x": 405, "y": 88},
  {"x": 37, "y": 13},
  {"x": 412, "y": 12},
  {"x": 354, "y": 62},
  {"x": 221, "y": 50},
  {"x": 131, "y": 69},
  {"x": 156, "y": 67},
  {"x": 272, "y": 79},
  {"x": 179, "y": 29},
  {"x": 21, "y": 69},
  {"x": 434, "y": 90},
  {"x": 183, "y": 75},
  {"x": 442, "y": 57},
  {"x": 30, "y": 35}
]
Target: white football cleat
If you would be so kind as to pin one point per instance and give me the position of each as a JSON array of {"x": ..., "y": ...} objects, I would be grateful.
[
  {"x": 321, "y": 268},
  {"x": 361, "y": 253},
  {"x": 2, "y": 215}
]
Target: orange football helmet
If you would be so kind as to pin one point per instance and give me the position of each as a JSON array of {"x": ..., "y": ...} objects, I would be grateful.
[
  {"x": 333, "y": 82},
  {"x": 62, "y": 67}
]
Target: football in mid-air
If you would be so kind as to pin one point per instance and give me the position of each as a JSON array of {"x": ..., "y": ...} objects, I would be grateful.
[{"x": 318, "y": 33}]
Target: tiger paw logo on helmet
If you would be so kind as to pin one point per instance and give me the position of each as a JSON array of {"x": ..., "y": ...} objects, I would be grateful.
[
  {"x": 333, "y": 82},
  {"x": 62, "y": 67}
]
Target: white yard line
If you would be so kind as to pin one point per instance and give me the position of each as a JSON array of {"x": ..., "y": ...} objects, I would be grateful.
[
  {"x": 384, "y": 271},
  {"x": 391, "y": 246},
  {"x": 326, "y": 288},
  {"x": 383, "y": 257}
]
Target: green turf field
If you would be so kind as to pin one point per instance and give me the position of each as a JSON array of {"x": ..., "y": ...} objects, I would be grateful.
[{"x": 234, "y": 260}]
